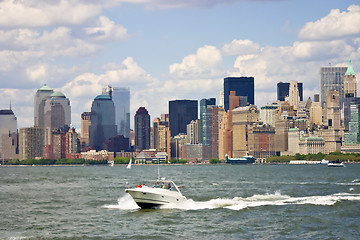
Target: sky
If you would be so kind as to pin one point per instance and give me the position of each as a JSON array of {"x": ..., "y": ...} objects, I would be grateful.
[{"x": 168, "y": 49}]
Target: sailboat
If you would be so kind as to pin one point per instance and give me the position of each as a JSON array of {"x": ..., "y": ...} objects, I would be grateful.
[
  {"x": 112, "y": 163},
  {"x": 129, "y": 164}
]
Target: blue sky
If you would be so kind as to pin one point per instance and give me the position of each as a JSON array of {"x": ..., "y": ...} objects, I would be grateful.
[{"x": 166, "y": 49}]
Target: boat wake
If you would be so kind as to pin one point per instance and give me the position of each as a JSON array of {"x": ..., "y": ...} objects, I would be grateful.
[{"x": 239, "y": 203}]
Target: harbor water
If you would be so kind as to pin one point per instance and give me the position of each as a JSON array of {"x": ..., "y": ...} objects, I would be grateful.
[{"x": 224, "y": 202}]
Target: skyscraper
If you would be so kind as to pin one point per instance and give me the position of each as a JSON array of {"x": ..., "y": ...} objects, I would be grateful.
[
  {"x": 331, "y": 78},
  {"x": 57, "y": 111},
  {"x": 31, "y": 143},
  {"x": 39, "y": 103},
  {"x": 283, "y": 90},
  {"x": 142, "y": 129},
  {"x": 102, "y": 121},
  {"x": 244, "y": 88},
  {"x": 121, "y": 99},
  {"x": 181, "y": 112},
  {"x": 204, "y": 103},
  {"x": 85, "y": 125},
  {"x": 8, "y": 134}
]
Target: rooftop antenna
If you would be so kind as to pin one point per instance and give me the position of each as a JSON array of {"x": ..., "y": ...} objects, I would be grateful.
[{"x": 10, "y": 103}]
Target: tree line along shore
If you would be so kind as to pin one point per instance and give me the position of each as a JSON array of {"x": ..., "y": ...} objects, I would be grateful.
[{"x": 335, "y": 156}]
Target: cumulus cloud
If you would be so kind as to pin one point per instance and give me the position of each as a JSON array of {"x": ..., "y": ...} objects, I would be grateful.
[
  {"x": 39, "y": 13},
  {"x": 207, "y": 62},
  {"x": 335, "y": 25},
  {"x": 106, "y": 29},
  {"x": 240, "y": 47}
]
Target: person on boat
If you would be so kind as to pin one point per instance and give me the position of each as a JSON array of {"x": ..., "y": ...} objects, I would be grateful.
[{"x": 139, "y": 186}]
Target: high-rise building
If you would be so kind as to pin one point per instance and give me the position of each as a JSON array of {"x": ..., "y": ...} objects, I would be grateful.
[
  {"x": 121, "y": 99},
  {"x": 294, "y": 94},
  {"x": 181, "y": 112},
  {"x": 350, "y": 86},
  {"x": 268, "y": 113},
  {"x": 204, "y": 103},
  {"x": 193, "y": 132},
  {"x": 8, "y": 135},
  {"x": 243, "y": 87},
  {"x": 39, "y": 103},
  {"x": 161, "y": 134},
  {"x": 31, "y": 143},
  {"x": 102, "y": 121},
  {"x": 142, "y": 129},
  {"x": 353, "y": 136},
  {"x": 242, "y": 118},
  {"x": 283, "y": 90},
  {"x": 85, "y": 126},
  {"x": 331, "y": 78},
  {"x": 57, "y": 111}
]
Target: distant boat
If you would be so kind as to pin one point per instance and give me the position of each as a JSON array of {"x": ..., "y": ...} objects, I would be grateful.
[
  {"x": 129, "y": 164},
  {"x": 242, "y": 160},
  {"x": 336, "y": 164}
]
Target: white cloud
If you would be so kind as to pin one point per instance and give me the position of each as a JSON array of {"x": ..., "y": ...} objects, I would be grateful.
[
  {"x": 335, "y": 25},
  {"x": 240, "y": 47},
  {"x": 38, "y": 13},
  {"x": 106, "y": 29},
  {"x": 37, "y": 72},
  {"x": 207, "y": 62}
]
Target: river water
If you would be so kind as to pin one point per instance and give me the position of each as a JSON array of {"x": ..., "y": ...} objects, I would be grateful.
[{"x": 224, "y": 202}]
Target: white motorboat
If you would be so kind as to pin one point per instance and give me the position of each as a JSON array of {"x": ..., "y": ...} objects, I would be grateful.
[
  {"x": 163, "y": 192},
  {"x": 336, "y": 164}
]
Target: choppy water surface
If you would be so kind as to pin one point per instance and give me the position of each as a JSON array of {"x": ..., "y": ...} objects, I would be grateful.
[{"x": 224, "y": 202}]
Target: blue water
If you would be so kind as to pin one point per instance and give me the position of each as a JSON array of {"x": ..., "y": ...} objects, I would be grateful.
[{"x": 224, "y": 202}]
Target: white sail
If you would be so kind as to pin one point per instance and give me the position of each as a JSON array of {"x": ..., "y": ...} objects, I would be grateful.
[{"x": 129, "y": 165}]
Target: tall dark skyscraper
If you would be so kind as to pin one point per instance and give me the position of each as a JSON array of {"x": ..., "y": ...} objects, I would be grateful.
[
  {"x": 181, "y": 112},
  {"x": 204, "y": 103},
  {"x": 283, "y": 91},
  {"x": 244, "y": 88},
  {"x": 102, "y": 121},
  {"x": 142, "y": 129}
]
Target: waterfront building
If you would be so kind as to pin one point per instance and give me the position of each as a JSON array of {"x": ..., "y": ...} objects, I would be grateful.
[
  {"x": 196, "y": 152},
  {"x": 57, "y": 111},
  {"x": 204, "y": 128},
  {"x": 176, "y": 144},
  {"x": 193, "y": 132},
  {"x": 102, "y": 121},
  {"x": 63, "y": 142},
  {"x": 315, "y": 112},
  {"x": 242, "y": 118},
  {"x": 85, "y": 126},
  {"x": 142, "y": 129},
  {"x": 353, "y": 136},
  {"x": 311, "y": 145},
  {"x": 261, "y": 143},
  {"x": 94, "y": 155},
  {"x": 161, "y": 133},
  {"x": 283, "y": 90},
  {"x": 268, "y": 113},
  {"x": 293, "y": 141},
  {"x": 39, "y": 102},
  {"x": 333, "y": 132},
  {"x": 225, "y": 136},
  {"x": 243, "y": 87},
  {"x": 31, "y": 143},
  {"x": 121, "y": 99},
  {"x": 281, "y": 134},
  {"x": 331, "y": 78},
  {"x": 8, "y": 135},
  {"x": 181, "y": 112}
]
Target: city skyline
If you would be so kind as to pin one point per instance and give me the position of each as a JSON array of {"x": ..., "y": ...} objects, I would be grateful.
[{"x": 166, "y": 51}]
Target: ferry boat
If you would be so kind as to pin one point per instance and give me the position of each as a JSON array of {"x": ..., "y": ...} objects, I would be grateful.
[
  {"x": 336, "y": 164},
  {"x": 243, "y": 160}
]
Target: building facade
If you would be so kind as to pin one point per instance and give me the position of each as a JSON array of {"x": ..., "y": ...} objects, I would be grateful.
[
  {"x": 181, "y": 112},
  {"x": 204, "y": 103},
  {"x": 121, "y": 99},
  {"x": 142, "y": 129},
  {"x": 243, "y": 87},
  {"x": 57, "y": 111},
  {"x": 283, "y": 90},
  {"x": 31, "y": 143},
  {"x": 331, "y": 78},
  {"x": 39, "y": 102},
  {"x": 102, "y": 121}
]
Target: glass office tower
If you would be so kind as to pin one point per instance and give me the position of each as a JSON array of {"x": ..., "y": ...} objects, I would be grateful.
[
  {"x": 331, "y": 78},
  {"x": 244, "y": 88}
]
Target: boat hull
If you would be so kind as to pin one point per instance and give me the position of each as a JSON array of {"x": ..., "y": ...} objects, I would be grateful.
[{"x": 154, "y": 197}]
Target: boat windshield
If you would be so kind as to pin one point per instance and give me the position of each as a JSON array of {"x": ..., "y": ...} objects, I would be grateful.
[{"x": 165, "y": 185}]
